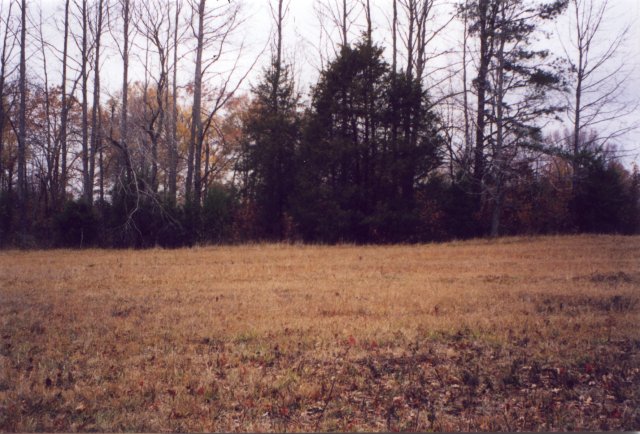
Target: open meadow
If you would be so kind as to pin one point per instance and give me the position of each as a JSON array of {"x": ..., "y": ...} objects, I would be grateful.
[{"x": 510, "y": 334}]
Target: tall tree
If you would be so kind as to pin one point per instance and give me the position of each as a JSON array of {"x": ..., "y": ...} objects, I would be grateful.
[
  {"x": 154, "y": 23},
  {"x": 124, "y": 126},
  {"x": 87, "y": 181},
  {"x": 271, "y": 136},
  {"x": 598, "y": 76},
  {"x": 64, "y": 114},
  {"x": 125, "y": 176},
  {"x": 195, "y": 140},
  {"x": 22, "y": 122},
  {"x": 173, "y": 146},
  {"x": 420, "y": 31},
  {"x": 49, "y": 149},
  {"x": 417, "y": 32},
  {"x": 353, "y": 185},
  {"x": 8, "y": 44},
  {"x": 337, "y": 15},
  {"x": 511, "y": 85},
  {"x": 96, "y": 134},
  {"x": 483, "y": 13},
  {"x": 213, "y": 30}
]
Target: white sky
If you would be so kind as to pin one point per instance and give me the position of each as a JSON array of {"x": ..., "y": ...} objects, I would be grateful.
[{"x": 303, "y": 45}]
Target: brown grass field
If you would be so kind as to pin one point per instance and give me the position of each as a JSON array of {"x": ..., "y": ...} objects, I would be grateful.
[{"x": 512, "y": 334}]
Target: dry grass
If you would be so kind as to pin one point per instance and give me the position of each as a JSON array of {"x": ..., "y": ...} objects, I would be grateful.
[{"x": 515, "y": 334}]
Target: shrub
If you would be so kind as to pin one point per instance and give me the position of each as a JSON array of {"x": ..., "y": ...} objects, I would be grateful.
[{"x": 77, "y": 225}]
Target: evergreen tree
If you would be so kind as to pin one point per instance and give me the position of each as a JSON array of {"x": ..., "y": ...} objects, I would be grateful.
[
  {"x": 358, "y": 175},
  {"x": 512, "y": 85},
  {"x": 271, "y": 136}
]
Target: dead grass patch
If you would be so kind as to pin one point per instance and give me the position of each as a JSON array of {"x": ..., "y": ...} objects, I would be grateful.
[
  {"x": 572, "y": 305},
  {"x": 516, "y": 334}
]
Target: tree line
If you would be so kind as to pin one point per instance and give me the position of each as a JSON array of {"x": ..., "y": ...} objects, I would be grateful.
[{"x": 391, "y": 144}]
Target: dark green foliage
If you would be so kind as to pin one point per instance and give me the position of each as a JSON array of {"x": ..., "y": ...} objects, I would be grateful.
[
  {"x": 603, "y": 202},
  {"x": 217, "y": 212},
  {"x": 512, "y": 85},
  {"x": 140, "y": 221},
  {"x": 631, "y": 209},
  {"x": 459, "y": 207},
  {"x": 5, "y": 217},
  {"x": 270, "y": 141},
  {"x": 362, "y": 163},
  {"x": 369, "y": 141},
  {"x": 77, "y": 225},
  {"x": 171, "y": 225}
]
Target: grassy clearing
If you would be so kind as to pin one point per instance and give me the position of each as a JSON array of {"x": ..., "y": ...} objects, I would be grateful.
[{"x": 515, "y": 334}]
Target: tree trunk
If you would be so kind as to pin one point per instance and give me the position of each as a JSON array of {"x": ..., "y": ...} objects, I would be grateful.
[
  {"x": 369, "y": 23},
  {"x": 410, "y": 38},
  {"x": 465, "y": 90},
  {"x": 345, "y": 14},
  {"x": 49, "y": 181},
  {"x": 173, "y": 163},
  {"x": 3, "y": 113},
  {"x": 578, "y": 100},
  {"x": 194, "y": 174},
  {"x": 125, "y": 96},
  {"x": 65, "y": 108},
  {"x": 95, "y": 112},
  {"x": 278, "y": 60},
  {"x": 394, "y": 99},
  {"x": 394, "y": 31},
  {"x": 422, "y": 15},
  {"x": 499, "y": 155},
  {"x": 86, "y": 170},
  {"x": 481, "y": 81},
  {"x": 22, "y": 123}
]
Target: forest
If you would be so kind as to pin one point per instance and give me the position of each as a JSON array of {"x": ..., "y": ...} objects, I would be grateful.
[{"x": 434, "y": 122}]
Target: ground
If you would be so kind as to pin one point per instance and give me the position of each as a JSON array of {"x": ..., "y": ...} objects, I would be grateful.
[{"x": 510, "y": 334}]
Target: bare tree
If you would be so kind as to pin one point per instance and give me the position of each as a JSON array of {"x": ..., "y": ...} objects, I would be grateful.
[
  {"x": 278, "y": 16},
  {"x": 65, "y": 104},
  {"x": 173, "y": 145},
  {"x": 598, "y": 75},
  {"x": 418, "y": 33},
  {"x": 123, "y": 42},
  {"x": 195, "y": 140},
  {"x": 340, "y": 15},
  {"x": 124, "y": 131},
  {"x": 394, "y": 78},
  {"x": 465, "y": 89},
  {"x": 22, "y": 121},
  {"x": 212, "y": 30},
  {"x": 48, "y": 173},
  {"x": 394, "y": 39},
  {"x": 96, "y": 125},
  {"x": 154, "y": 23},
  {"x": 8, "y": 45},
  {"x": 87, "y": 182},
  {"x": 366, "y": 4},
  {"x": 499, "y": 104}
]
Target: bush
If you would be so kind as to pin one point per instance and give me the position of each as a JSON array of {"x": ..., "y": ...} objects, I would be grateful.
[
  {"x": 77, "y": 225},
  {"x": 600, "y": 197},
  {"x": 5, "y": 218},
  {"x": 216, "y": 217}
]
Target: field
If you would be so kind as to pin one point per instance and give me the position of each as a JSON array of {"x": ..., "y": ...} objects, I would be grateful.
[{"x": 512, "y": 334}]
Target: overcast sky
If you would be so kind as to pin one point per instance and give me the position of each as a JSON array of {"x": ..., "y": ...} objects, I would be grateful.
[{"x": 305, "y": 48}]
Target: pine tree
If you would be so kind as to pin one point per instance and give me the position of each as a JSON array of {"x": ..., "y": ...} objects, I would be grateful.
[
  {"x": 271, "y": 135},
  {"x": 512, "y": 86},
  {"x": 359, "y": 172}
]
